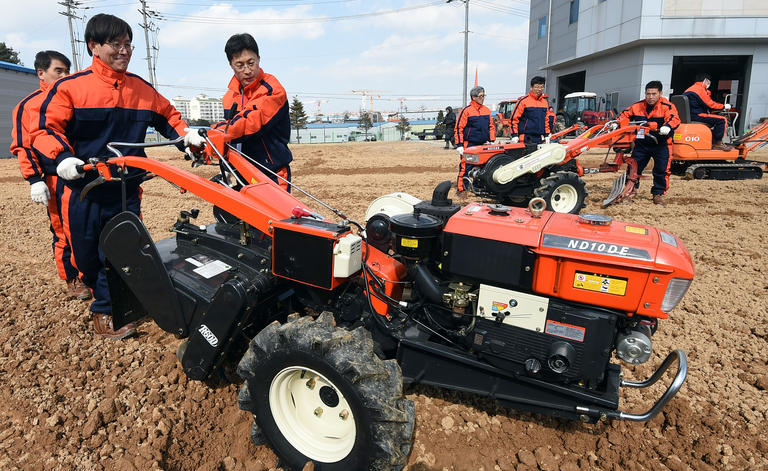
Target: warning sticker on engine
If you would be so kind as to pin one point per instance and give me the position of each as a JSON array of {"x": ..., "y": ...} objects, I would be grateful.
[
  {"x": 600, "y": 283},
  {"x": 410, "y": 243},
  {"x": 211, "y": 269},
  {"x": 566, "y": 331},
  {"x": 636, "y": 230}
]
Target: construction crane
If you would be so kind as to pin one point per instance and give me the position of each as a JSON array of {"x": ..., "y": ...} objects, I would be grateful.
[
  {"x": 402, "y": 101},
  {"x": 370, "y": 94},
  {"x": 318, "y": 102}
]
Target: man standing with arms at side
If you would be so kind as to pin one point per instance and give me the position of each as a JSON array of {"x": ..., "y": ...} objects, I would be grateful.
[
  {"x": 449, "y": 122},
  {"x": 474, "y": 127},
  {"x": 79, "y": 116},
  {"x": 256, "y": 109},
  {"x": 50, "y": 66},
  {"x": 702, "y": 104},
  {"x": 529, "y": 120},
  {"x": 663, "y": 119}
]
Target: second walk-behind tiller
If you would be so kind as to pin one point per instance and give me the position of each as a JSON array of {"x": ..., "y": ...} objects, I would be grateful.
[{"x": 322, "y": 322}]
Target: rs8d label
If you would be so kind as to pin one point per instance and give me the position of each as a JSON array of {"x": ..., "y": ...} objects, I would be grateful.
[{"x": 600, "y": 283}]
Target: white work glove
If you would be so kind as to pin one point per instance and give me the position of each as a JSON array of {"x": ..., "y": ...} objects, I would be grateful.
[
  {"x": 664, "y": 130},
  {"x": 614, "y": 126},
  {"x": 515, "y": 140},
  {"x": 39, "y": 192},
  {"x": 727, "y": 106},
  {"x": 193, "y": 138},
  {"x": 66, "y": 169},
  {"x": 460, "y": 150}
]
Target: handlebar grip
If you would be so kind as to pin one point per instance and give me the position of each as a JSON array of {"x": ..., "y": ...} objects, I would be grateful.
[{"x": 80, "y": 168}]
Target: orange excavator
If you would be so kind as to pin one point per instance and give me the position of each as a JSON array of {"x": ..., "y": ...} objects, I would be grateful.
[{"x": 694, "y": 158}]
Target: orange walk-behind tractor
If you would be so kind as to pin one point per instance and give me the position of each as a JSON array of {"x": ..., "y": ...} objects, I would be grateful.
[
  {"x": 513, "y": 173},
  {"x": 322, "y": 321}
]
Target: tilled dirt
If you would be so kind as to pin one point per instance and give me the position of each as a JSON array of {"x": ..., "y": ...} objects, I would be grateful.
[{"x": 72, "y": 401}]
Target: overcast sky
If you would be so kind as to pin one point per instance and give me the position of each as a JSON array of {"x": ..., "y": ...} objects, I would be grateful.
[{"x": 318, "y": 49}]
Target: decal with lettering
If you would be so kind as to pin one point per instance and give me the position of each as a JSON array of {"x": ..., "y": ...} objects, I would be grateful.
[
  {"x": 600, "y": 283},
  {"x": 591, "y": 246}
]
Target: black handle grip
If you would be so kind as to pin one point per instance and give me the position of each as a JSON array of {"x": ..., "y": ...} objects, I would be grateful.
[{"x": 80, "y": 168}]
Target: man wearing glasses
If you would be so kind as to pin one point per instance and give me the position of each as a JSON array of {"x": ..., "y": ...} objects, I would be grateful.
[
  {"x": 78, "y": 117},
  {"x": 256, "y": 111},
  {"x": 529, "y": 120},
  {"x": 474, "y": 127}
]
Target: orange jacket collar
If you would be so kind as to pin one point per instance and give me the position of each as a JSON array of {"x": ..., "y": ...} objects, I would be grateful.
[
  {"x": 105, "y": 72},
  {"x": 44, "y": 85},
  {"x": 476, "y": 105},
  {"x": 234, "y": 84},
  {"x": 533, "y": 95}
]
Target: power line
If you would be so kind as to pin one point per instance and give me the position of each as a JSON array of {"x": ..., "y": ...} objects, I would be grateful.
[{"x": 289, "y": 21}]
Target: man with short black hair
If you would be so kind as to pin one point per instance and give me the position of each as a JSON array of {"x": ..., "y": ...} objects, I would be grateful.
[
  {"x": 256, "y": 111},
  {"x": 50, "y": 66},
  {"x": 702, "y": 104},
  {"x": 529, "y": 120},
  {"x": 79, "y": 116},
  {"x": 661, "y": 116}
]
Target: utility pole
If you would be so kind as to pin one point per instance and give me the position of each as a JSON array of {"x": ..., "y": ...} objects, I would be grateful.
[
  {"x": 466, "y": 49},
  {"x": 146, "y": 27},
  {"x": 71, "y": 5}
]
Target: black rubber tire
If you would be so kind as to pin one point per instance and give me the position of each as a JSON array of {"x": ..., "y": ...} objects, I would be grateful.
[
  {"x": 560, "y": 123},
  {"x": 372, "y": 388},
  {"x": 563, "y": 185}
]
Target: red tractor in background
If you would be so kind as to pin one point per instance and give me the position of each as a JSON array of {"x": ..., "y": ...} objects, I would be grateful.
[
  {"x": 322, "y": 321},
  {"x": 503, "y": 118},
  {"x": 582, "y": 107}
]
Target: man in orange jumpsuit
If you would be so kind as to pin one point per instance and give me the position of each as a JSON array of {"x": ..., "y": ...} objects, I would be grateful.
[
  {"x": 663, "y": 119},
  {"x": 474, "y": 127},
  {"x": 78, "y": 117},
  {"x": 529, "y": 120},
  {"x": 256, "y": 111},
  {"x": 50, "y": 66},
  {"x": 702, "y": 104}
]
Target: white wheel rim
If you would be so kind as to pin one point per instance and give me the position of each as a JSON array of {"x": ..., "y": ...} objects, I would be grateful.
[
  {"x": 317, "y": 421},
  {"x": 564, "y": 198}
]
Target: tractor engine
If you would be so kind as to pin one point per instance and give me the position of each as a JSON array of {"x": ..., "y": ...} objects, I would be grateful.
[{"x": 541, "y": 294}]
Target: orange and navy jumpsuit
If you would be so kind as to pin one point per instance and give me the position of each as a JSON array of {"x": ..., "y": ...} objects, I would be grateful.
[
  {"x": 529, "y": 120},
  {"x": 25, "y": 112},
  {"x": 257, "y": 120},
  {"x": 474, "y": 127},
  {"x": 663, "y": 113},
  {"x": 78, "y": 117},
  {"x": 702, "y": 104}
]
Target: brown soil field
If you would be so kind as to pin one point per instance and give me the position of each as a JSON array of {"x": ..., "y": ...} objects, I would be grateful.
[{"x": 74, "y": 401}]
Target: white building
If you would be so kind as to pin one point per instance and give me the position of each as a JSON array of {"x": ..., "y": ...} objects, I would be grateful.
[
  {"x": 16, "y": 82},
  {"x": 614, "y": 47},
  {"x": 207, "y": 108},
  {"x": 182, "y": 104}
]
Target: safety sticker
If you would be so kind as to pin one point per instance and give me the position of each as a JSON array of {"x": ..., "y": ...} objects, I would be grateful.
[
  {"x": 211, "y": 269},
  {"x": 497, "y": 306},
  {"x": 600, "y": 283},
  {"x": 411, "y": 243},
  {"x": 636, "y": 230},
  {"x": 566, "y": 331},
  {"x": 194, "y": 262}
]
